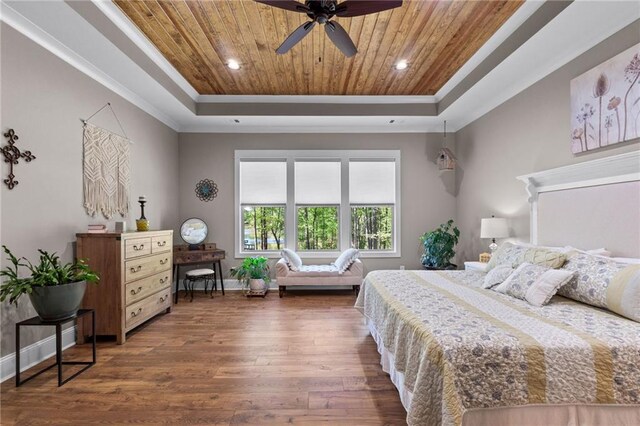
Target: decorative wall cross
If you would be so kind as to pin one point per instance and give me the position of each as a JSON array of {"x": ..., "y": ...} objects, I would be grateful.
[{"x": 12, "y": 155}]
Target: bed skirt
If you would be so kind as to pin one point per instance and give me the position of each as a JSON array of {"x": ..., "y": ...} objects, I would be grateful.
[{"x": 529, "y": 415}]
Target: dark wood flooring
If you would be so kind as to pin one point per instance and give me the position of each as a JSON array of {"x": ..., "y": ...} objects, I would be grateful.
[{"x": 305, "y": 359}]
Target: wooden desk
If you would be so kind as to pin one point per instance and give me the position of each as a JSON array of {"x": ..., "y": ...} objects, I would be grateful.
[{"x": 205, "y": 254}]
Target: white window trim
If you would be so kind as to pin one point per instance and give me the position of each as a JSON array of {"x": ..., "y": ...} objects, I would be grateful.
[{"x": 291, "y": 156}]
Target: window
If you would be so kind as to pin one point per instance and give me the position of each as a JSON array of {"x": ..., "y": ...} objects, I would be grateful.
[
  {"x": 317, "y": 202},
  {"x": 263, "y": 199},
  {"x": 372, "y": 196},
  {"x": 318, "y": 195}
]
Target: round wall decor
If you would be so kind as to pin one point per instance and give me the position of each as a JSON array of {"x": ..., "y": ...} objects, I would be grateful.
[{"x": 206, "y": 190}]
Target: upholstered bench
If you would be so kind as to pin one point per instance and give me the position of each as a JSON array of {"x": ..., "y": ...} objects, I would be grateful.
[{"x": 318, "y": 275}]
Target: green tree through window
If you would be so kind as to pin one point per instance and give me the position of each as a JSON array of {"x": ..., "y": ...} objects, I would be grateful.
[
  {"x": 263, "y": 228},
  {"x": 372, "y": 228},
  {"x": 318, "y": 228}
]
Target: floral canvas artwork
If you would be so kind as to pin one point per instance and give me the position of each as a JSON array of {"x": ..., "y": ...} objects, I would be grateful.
[{"x": 605, "y": 103}]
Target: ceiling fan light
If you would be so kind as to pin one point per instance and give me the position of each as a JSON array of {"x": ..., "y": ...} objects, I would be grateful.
[
  {"x": 401, "y": 65},
  {"x": 233, "y": 64}
]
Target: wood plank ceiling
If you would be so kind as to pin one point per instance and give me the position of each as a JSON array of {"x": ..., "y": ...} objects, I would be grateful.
[{"x": 199, "y": 37}]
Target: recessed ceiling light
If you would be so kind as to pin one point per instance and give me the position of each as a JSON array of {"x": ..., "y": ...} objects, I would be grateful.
[
  {"x": 233, "y": 64},
  {"x": 401, "y": 65}
]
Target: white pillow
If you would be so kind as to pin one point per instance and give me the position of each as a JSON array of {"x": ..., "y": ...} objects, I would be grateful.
[
  {"x": 293, "y": 260},
  {"x": 597, "y": 251},
  {"x": 346, "y": 258},
  {"x": 626, "y": 260},
  {"x": 546, "y": 286},
  {"x": 497, "y": 276}
]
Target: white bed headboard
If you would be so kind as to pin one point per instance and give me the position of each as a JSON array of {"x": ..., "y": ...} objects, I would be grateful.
[{"x": 588, "y": 205}]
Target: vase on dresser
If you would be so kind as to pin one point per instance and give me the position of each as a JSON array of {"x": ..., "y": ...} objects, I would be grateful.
[{"x": 136, "y": 279}]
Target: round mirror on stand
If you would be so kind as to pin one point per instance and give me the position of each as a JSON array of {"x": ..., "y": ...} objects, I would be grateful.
[{"x": 193, "y": 231}]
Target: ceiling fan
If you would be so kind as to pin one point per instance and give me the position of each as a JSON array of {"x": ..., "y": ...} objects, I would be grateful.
[{"x": 321, "y": 12}]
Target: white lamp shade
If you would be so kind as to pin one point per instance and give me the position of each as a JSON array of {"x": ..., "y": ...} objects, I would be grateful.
[{"x": 494, "y": 227}]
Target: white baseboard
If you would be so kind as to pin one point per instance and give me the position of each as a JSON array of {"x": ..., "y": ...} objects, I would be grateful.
[
  {"x": 234, "y": 285},
  {"x": 35, "y": 353}
]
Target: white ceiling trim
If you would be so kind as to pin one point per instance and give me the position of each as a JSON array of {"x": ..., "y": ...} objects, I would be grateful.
[
  {"x": 523, "y": 13},
  {"x": 316, "y": 99},
  {"x": 559, "y": 42},
  {"x": 50, "y": 43},
  {"x": 116, "y": 16}
]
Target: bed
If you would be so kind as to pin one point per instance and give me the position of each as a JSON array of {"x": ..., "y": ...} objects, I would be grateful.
[
  {"x": 453, "y": 348},
  {"x": 463, "y": 355}
]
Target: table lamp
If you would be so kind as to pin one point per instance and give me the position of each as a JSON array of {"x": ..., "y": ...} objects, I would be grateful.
[{"x": 494, "y": 227}]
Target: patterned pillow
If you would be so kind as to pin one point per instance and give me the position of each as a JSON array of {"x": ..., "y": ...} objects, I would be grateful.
[
  {"x": 293, "y": 260},
  {"x": 517, "y": 284},
  {"x": 594, "y": 274},
  {"x": 497, "y": 276},
  {"x": 547, "y": 285},
  {"x": 623, "y": 293},
  {"x": 543, "y": 257},
  {"x": 507, "y": 254}
]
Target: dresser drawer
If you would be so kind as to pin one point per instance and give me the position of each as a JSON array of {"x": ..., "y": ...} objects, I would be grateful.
[
  {"x": 146, "y": 308},
  {"x": 136, "y": 247},
  {"x": 138, "y": 290},
  {"x": 161, "y": 243},
  {"x": 139, "y": 268}
]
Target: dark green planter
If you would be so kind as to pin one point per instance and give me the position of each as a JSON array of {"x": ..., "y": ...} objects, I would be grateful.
[
  {"x": 58, "y": 302},
  {"x": 451, "y": 267}
]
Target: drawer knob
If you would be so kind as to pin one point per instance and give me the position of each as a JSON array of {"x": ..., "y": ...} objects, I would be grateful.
[
  {"x": 163, "y": 299},
  {"x": 162, "y": 243},
  {"x": 136, "y": 269},
  {"x": 138, "y": 248},
  {"x": 163, "y": 280},
  {"x": 163, "y": 261},
  {"x": 134, "y": 292},
  {"x": 135, "y": 314}
]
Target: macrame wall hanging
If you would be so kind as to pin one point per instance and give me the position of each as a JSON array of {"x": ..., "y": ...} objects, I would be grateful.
[{"x": 107, "y": 171}]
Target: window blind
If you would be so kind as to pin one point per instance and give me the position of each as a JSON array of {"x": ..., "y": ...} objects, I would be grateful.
[
  {"x": 317, "y": 182},
  {"x": 372, "y": 182},
  {"x": 263, "y": 182}
]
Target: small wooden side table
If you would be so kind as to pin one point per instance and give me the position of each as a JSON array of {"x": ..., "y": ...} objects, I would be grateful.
[
  {"x": 36, "y": 321},
  {"x": 204, "y": 254}
]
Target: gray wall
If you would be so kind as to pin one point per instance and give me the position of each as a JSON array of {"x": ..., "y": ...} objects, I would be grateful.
[
  {"x": 43, "y": 99},
  {"x": 427, "y": 198},
  {"x": 528, "y": 133}
]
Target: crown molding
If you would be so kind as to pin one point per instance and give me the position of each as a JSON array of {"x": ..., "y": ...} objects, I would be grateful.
[
  {"x": 116, "y": 16},
  {"x": 30, "y": 30}
]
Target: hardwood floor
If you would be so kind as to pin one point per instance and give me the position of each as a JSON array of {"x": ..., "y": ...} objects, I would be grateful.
[{"x": 304, "y": 359}]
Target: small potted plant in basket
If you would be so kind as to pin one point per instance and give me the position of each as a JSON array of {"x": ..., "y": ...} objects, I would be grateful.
[
  {"x": 253, "y": 273},
  {"x": 55, "y": 289},
  {"x": 439, "y": 246}
]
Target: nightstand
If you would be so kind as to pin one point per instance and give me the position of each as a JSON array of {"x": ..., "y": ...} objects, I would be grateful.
[{"x": 475, "y": 266}]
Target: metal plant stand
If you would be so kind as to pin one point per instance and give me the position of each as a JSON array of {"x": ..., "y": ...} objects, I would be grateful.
[{"x": 36, "y": 321}]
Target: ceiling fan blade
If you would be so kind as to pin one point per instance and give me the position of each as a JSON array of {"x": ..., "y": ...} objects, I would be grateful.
[
  {"x": 351, "y": 8},
  {"x": 295, "y": 37},
  {"x": 340, "y": 38},
  {"x": 286, "y": 5}
]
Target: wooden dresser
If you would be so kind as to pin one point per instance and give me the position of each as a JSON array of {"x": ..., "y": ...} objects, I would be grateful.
[{"x": 135, "y": 279}]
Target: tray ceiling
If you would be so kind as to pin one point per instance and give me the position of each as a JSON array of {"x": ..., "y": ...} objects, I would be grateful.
[{"x": 199, "y": 37}]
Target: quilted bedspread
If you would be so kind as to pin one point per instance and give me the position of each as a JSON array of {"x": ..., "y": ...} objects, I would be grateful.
[{"x": 461, "y": 347}]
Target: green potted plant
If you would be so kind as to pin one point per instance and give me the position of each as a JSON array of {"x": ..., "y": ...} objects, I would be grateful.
[
  {"x": 439, "y": 246},
  {"x": 253, "y": 273},
  {"x": 55, "y": 289}
]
